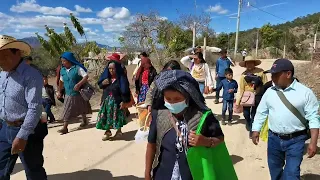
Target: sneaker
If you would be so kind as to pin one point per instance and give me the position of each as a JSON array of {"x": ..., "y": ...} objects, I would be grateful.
[{"x": 216, "y": 101}]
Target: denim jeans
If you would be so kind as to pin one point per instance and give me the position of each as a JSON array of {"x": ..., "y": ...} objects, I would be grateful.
[
  {"x": 201, "y": 87},
  {"x": 285, "y": 157},
  {"x": 31, "y": 157},
  {"x": 46, "y": 103},
  {"x": 219, "y": 79},
  {"x": 227, "y": 104},
  {"x": 249, "y": 113}
]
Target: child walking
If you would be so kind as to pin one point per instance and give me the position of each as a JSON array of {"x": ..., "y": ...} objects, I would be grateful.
[
  {"x": 48, "y": 98},
  {"x": 230, "y": 87}
]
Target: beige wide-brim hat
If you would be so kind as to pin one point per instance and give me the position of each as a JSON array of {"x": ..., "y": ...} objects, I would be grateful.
[
  {"x": 8, "y": 42},
  {"x": 250, "y": 59}
]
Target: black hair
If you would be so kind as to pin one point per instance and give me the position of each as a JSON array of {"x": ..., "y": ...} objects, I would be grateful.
[
  {"x": 28, "y": 58},
  {"x": 13, "y": 50},
  {"x": 144, "y": 54},
  {"x": 228, "y": 71},
  {"x": 200, "y": 56},
  {"x": 173, "y": 65}
]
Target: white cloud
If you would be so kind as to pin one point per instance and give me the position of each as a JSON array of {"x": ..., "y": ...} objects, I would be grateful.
[
  {"x": 32, "y": 6},
  {"x": 122, "y": 14},
  {"x": 82, "y": 9},
  {"x": 118, "y": 13},
  {"x": 217, "y": 9}
]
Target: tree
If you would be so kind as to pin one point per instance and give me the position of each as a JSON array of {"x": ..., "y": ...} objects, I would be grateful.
[
  {"x": 268, "y": 35},
  {"x": 143, "y": 32},
  {"x": 222, "y": 40},
  {"x": 202, "y": 21},
  {"x": 174, "y": 39},
  {"x": 59, "y": 43}
]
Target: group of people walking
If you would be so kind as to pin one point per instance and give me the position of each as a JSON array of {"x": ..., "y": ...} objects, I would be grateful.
[{"x": 175, "y": 100}]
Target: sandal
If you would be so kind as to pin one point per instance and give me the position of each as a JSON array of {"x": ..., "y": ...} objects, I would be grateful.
[
  {"x": 84, "y": 123},
  {"x": 107, "y": 136},
  {"x": 63, "y": 131}
]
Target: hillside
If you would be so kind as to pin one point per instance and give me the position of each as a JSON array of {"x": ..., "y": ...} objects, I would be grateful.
[
  {"x": 34, "y": 43},
  {"x": 298, "y": 36}
]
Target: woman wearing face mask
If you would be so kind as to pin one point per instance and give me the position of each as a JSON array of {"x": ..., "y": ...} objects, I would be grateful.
[
  {"x": 172, "y": 127},
  {"x": 251, "y": 70},
  {"x": 200, "y": 71},
  {"x": 171, "y": 65},
  {"x": 116, "y": 93}
]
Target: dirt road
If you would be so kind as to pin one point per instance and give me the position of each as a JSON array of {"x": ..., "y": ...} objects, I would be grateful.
[{"x": 82, "y": 155}]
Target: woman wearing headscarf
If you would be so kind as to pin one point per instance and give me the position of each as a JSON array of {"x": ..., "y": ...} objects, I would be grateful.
[
  {"x": 251, "y": 78},
  {"x": 116, "y": 93},
  {"x": 199, "y": 70},
  {"x": 144, "y": 77},
  {"x": 173, "y": 125},
  {"x": 171, "y": 65},
  {"x": 73, "y": 75},
  {"x": 116, "y": 57}
]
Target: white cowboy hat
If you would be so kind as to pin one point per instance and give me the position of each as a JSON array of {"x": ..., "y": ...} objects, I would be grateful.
[
  {"x": 8, "y": 42},
  {"x": 250, "y": 59}
]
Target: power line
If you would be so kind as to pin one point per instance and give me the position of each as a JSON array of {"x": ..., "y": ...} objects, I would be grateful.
[{"x": 266, "y": 12}]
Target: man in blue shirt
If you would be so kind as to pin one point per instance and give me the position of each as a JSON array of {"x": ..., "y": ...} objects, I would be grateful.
[
  {"x": 21, "y": 132},
  {"x": 287, "y": 131},
  {"x": 230, "y": 87},
  {"x": 221, "y": 65}
]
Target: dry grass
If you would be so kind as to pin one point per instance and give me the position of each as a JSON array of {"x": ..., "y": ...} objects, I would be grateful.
[{"x": 309, "y": 74}]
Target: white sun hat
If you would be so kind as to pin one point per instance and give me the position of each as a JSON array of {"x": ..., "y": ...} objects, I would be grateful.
[{"x": 8, "y": 42}]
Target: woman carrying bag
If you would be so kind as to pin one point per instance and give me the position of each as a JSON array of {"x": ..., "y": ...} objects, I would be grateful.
[
  {"x": 246, "y": 95},
  {"x": 185, "y": 139}
]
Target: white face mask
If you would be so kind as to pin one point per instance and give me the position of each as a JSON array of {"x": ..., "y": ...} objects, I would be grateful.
[{"x": 176, "y": 108}]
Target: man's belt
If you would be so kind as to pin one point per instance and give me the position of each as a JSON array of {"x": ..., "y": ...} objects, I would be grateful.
[
  {"x": 17, "y": 123},
  {"x": 290, "y": 136}
]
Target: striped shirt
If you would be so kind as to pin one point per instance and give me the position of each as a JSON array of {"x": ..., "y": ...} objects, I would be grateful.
[{"x": 21, "y": 97}]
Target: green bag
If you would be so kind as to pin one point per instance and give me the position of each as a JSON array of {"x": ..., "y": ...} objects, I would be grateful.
[{"x": 210, "y": 163}]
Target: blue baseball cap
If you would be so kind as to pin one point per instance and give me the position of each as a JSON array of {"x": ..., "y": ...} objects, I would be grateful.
[{"x": 281, "y": 65}]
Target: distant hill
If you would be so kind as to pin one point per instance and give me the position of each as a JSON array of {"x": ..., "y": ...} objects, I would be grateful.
[{"x": 34, "y": 43}]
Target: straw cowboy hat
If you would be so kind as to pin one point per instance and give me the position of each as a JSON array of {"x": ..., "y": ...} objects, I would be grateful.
[
  {"x": 8, "y": 42},
  {"x": 250, "y": 59}
]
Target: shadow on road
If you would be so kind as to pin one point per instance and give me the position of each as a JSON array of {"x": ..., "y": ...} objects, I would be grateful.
[
  {"x": 310, "y": 177},
  {"x": 235, "y": 159},
  {"x": 213, "y": 97},
  {"x": 236, "y": 119},
  {"x": 126, "y": 136},
  {"x": 94, "y": 174},
  {"x": 17, "y": 168}
]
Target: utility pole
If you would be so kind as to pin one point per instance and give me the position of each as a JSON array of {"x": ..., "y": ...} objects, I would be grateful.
[
  {"x": 284, "y": 46},
  {"x": 238, "y": 27},
  {"x": 257, "y": 43},
  {"x": 315, "y": 37},
  {"x": 194, "y": 25}
]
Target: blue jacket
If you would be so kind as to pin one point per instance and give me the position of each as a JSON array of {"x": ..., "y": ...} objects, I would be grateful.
[
  {"x": 222, "y": 65},
  {"x": 226, "y": 85}
]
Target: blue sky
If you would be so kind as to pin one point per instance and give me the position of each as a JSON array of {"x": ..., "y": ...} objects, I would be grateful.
[{"x": 105, "y": 19}]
